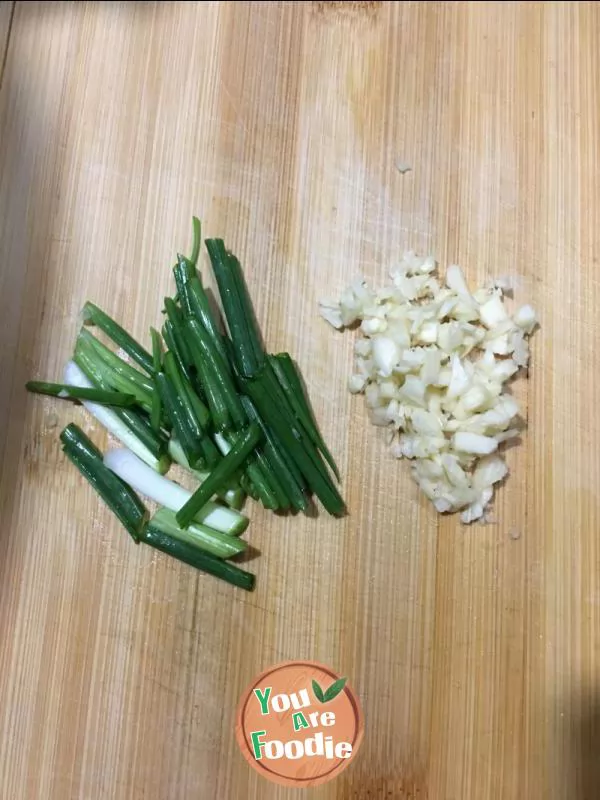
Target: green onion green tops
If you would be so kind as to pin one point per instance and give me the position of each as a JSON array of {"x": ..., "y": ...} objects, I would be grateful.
[
  {"x": 93, "y": 315},
  {"x": 67, "y": 392},
  {"x": 117, "y": 495}
]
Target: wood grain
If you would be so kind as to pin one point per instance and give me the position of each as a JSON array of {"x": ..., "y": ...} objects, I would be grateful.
[
  {"x": 475, "y": 652},
  {"x": 6, "y": 13}
]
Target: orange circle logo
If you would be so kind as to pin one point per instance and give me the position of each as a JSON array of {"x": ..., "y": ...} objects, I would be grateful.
[{"x": 299, "y": 724}]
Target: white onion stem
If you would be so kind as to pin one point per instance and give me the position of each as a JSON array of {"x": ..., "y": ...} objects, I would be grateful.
[{"x": 74, "y": 376}]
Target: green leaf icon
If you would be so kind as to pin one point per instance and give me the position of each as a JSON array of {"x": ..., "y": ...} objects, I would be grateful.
[
  {"x": 318, "y": 692},
  {"x": 331, "y": 693},
  {"x": 335, "y": 688}
]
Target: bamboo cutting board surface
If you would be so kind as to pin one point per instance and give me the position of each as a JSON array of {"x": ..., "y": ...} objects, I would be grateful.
[{"x": 475, "y": 652}]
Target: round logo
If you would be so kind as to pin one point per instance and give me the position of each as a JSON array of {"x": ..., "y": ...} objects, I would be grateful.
[{"x": 299, "y": 724}]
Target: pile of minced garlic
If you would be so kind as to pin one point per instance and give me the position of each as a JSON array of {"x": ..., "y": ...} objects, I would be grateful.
[{"x": 433, "y": 362}]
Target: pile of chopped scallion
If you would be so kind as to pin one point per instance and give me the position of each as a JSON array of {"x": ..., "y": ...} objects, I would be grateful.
[{"x": 207, "y": 397}]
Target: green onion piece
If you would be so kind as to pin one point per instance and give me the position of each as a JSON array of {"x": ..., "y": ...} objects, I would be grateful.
[
  {"x": 95, "y": 369},
  {"x": 119, "y": 497},
  {"x": 310, "y": 448},
  {"x": 195, "y": 302},
  {"x": 212, "y": 387},
  {"x": 264, "y": 491},
  {"x": 291, "y": 383},
  {"x": 197, "y": 240},
  {"x": 92, "y": 315},
  {"x": 262, "y": 486},
  {"x": 196, "y": 558},
  {"x": 113, "y": 361},
  {"x": 197, "y": 417},
  {"x": 232, "y": 493},
  {"x": 133, "y": 420},
  {"x": 157, "y": 350},
  {"x": 73, "y": 437},
  {"x": 201, "y": 536},
  {"x": 290, "y": 478},
  {"x": 199, "y": 409},
  {"x": 265, "y": 393},
  {"x": 244, "y": 295},
  {"x": 269, "y": 488},
  {"x": 259, "y": 476},
  {"x": 285, "y": 454},
  {"x": 121, "y": 376},
  {"x": 156, "y": 411},
  {"x": 238, "y": 310},
  {"x": 281, "y": 497},
  {"x": 175, "y": 319},
  {"x": 210, "y": 452},
  {"x": 190, "y": 439},
  {"x": 129, "y": 425},
  {"x": 66, "y": 392},
  {"x": 185, "y": 392},
  {"x": 216, "y": 370},
  {"x": 175, "y": 344},
  {"x": 183, "y": 272},
  {"x": 139, "y": 424},
  {"x": 240, "y": 451},
  {"x": 249, "y": 487},
  {"x": 200, "y": 309}
]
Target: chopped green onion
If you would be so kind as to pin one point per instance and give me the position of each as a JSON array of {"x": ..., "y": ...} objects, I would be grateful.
[
  {"x": 134, "y": 419},
  {"x": 191, "y": 397},
  {"x": 189, "y": 554},
  {"x": 279, "y": 397},
  {"x": 168, "y": 493},
  {"x": 240, "y": 451},
  {"x": 183, "y": 272},
  {"x": 196, "y": 423},
  {"x": 232, "y": 494},
  {"x": 95, "y": 369},
  {"x": 197, "y": 240},
  {"x": 195, "y": 302},
  {"x": 281, "y": 497},
  {"x": 249, "y": 487},
  {"x": 218, "y": 544},
  {"x": 176, "y": 345},
  {"x": 120, "y": 375},
  {"x": 156, "y": 412},
  {"x": 92, "y": 315},
  {"x": 290, "y": 479},
  {"x": 212, "y": 388},
  {"x": 157, "y": 356},
  {"x": 119, "y": 497},
  {"x": 73, "y": 437},
  {"x": 189, "y": 437},
  {"x": 67, "y": 392},
  {"x": 238, "y": 310},
  {"x": 139, "y": 424},
  {"x": 291, "y": 383},
  {"x": 113, "y": 361},
  {"x": 157, "y": 350},
  {"x": 216, "y": 370},
  {"x": 194, "y": 418},
  {"x": 124, "y": 423},
  {"x": 265, "y": 393},
  {"x": 259, "y": 476},
  {"x": 210, "y": 452}
]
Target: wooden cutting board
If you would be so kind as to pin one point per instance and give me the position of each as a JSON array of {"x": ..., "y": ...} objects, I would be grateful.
[{"x": 474, "y": 651}]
